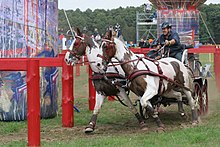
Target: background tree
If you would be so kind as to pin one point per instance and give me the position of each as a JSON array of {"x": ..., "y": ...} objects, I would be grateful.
[{"x": 126, "y": 17}]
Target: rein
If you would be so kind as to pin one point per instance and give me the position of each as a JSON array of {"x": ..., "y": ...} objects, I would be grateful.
[
  {"x": 125, "y": 62},
  {"x": 74, "y": 54},
  {"x": 85, "y": 62},
  {"x": 137, "y": 73}
]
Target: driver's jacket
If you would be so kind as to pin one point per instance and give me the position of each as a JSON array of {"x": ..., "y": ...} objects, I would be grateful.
[{"x": 175, "y": 48}]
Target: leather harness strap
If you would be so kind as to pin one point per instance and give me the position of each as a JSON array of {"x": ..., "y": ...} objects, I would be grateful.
[
  {"x": 98, "y": 76},
  {"x": 160, "y": 90},
  {"x": 108, "y": 78},
  {"x": 137, "y": 73}
]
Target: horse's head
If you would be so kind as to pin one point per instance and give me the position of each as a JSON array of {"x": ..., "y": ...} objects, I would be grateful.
[
  {"x": 108, "y": 48},
  {"x": 77, "y": 48},
  {"x": 82, "y": 45}
]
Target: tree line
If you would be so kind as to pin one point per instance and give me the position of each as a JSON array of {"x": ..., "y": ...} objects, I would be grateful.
[{"x": 126, "y": 17}]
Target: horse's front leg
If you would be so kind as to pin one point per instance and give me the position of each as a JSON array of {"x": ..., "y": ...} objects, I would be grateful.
[
  {"x": 150, "y": 93},
  {"x": 98, "y": 104},
  {"x": 141, "y": 121}
]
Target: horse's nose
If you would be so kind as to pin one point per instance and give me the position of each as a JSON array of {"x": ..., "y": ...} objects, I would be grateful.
[{"x": 98, "y": 64}]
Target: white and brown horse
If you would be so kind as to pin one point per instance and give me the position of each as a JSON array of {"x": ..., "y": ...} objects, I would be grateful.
[
  {"x": 147, "y": 78},
  {"x": 103, "y": 83}
]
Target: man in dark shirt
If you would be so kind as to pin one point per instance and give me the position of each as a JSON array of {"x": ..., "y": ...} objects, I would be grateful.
[{"x": 171, "y": 40}]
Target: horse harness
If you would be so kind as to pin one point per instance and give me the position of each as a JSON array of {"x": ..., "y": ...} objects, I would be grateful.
[
  {"x": 115, "y": 79},
  {"x": 162, "y": 77},
  {"x": 137, "y": 73},
  {"x": 112, "y": 78},
  {"x": 77, "y": 45}
]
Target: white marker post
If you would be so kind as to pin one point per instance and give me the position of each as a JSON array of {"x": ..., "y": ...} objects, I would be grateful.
[{"x": 64, "y": 44}]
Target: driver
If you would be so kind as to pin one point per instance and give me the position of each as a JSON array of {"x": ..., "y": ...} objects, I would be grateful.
[{"x": 171, "y": 40}]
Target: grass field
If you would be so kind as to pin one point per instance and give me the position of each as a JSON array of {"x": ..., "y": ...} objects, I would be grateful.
[{"x": 116, "y": 126}]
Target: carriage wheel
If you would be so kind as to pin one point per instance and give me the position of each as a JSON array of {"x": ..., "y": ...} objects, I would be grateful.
[
  {"x": 204, "y": 98},
  {"x": 198, "y": 97}
]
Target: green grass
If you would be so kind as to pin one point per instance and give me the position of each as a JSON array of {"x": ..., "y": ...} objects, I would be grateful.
[
  {"x": 200, "y": 136},
  {"x": 12, "y": 127},
  {"x": 205, "y": 135},
  {"x": 116, "y": 126},
  {"x": 207, "y": 59}
]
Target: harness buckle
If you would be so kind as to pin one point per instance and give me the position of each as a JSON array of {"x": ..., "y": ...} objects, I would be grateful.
[{"x": 156, "y": 62}]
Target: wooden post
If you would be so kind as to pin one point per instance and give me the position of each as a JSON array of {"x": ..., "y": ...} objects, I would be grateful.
[
  {"x": 33, "y": 100},
  {"x": 217, "y": 67},
  {"x": 67, "y": 95},
  {"x": 92, "y": 92}
]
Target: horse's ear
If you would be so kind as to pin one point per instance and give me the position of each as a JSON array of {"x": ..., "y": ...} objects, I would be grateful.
[{"x": 78, "y": 32}]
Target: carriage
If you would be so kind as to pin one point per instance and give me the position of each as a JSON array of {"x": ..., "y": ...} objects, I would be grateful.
[{"x": 196, "y": 97}]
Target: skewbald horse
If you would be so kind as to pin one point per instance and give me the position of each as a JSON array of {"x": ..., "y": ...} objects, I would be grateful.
[
  {"x": 84, "y": 44},
  {"x": 166, "y": 77}
]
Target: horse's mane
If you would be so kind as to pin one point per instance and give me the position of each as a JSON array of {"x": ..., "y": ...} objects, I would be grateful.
[
  {"x": 120, "y": 41},
  {"x": 90, "y": 42}
]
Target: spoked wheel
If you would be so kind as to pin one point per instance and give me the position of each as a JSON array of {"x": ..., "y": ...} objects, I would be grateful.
[
  {"x": 204, "y": 98},
  {"x": 198, "y": 97}
]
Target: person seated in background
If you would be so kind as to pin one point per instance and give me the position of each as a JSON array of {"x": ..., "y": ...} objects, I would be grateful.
[
  {"x": 131, "y": 44},
  {"x": 150, "y": 41},
  {"x": 148, "y": 7},
  {"x": 96, "y": 35},
  {"x": 142, "y": 43},
  {"x": 117, "y": 32},
  {"x": 85, "y": 30},
  {"x": 69, "y": 42}
]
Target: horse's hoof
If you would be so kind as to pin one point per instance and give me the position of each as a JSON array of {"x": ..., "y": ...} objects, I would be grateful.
[
  {"x": 162, "y": 126},
  {"x": 161, "y": 110},
  {"x": 160, "y": 129},
  {"x": 88, "y": 130},
  {"x": 145, "y": 128},
  {"x": 195, "y": 123}
]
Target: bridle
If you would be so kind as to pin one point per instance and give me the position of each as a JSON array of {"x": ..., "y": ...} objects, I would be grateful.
[
  {"x": 110, "y": 45},
  {"x": 76, "y": 44}
]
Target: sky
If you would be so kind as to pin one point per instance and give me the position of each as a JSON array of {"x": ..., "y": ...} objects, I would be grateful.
[{"x": 105, "y": 4}]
